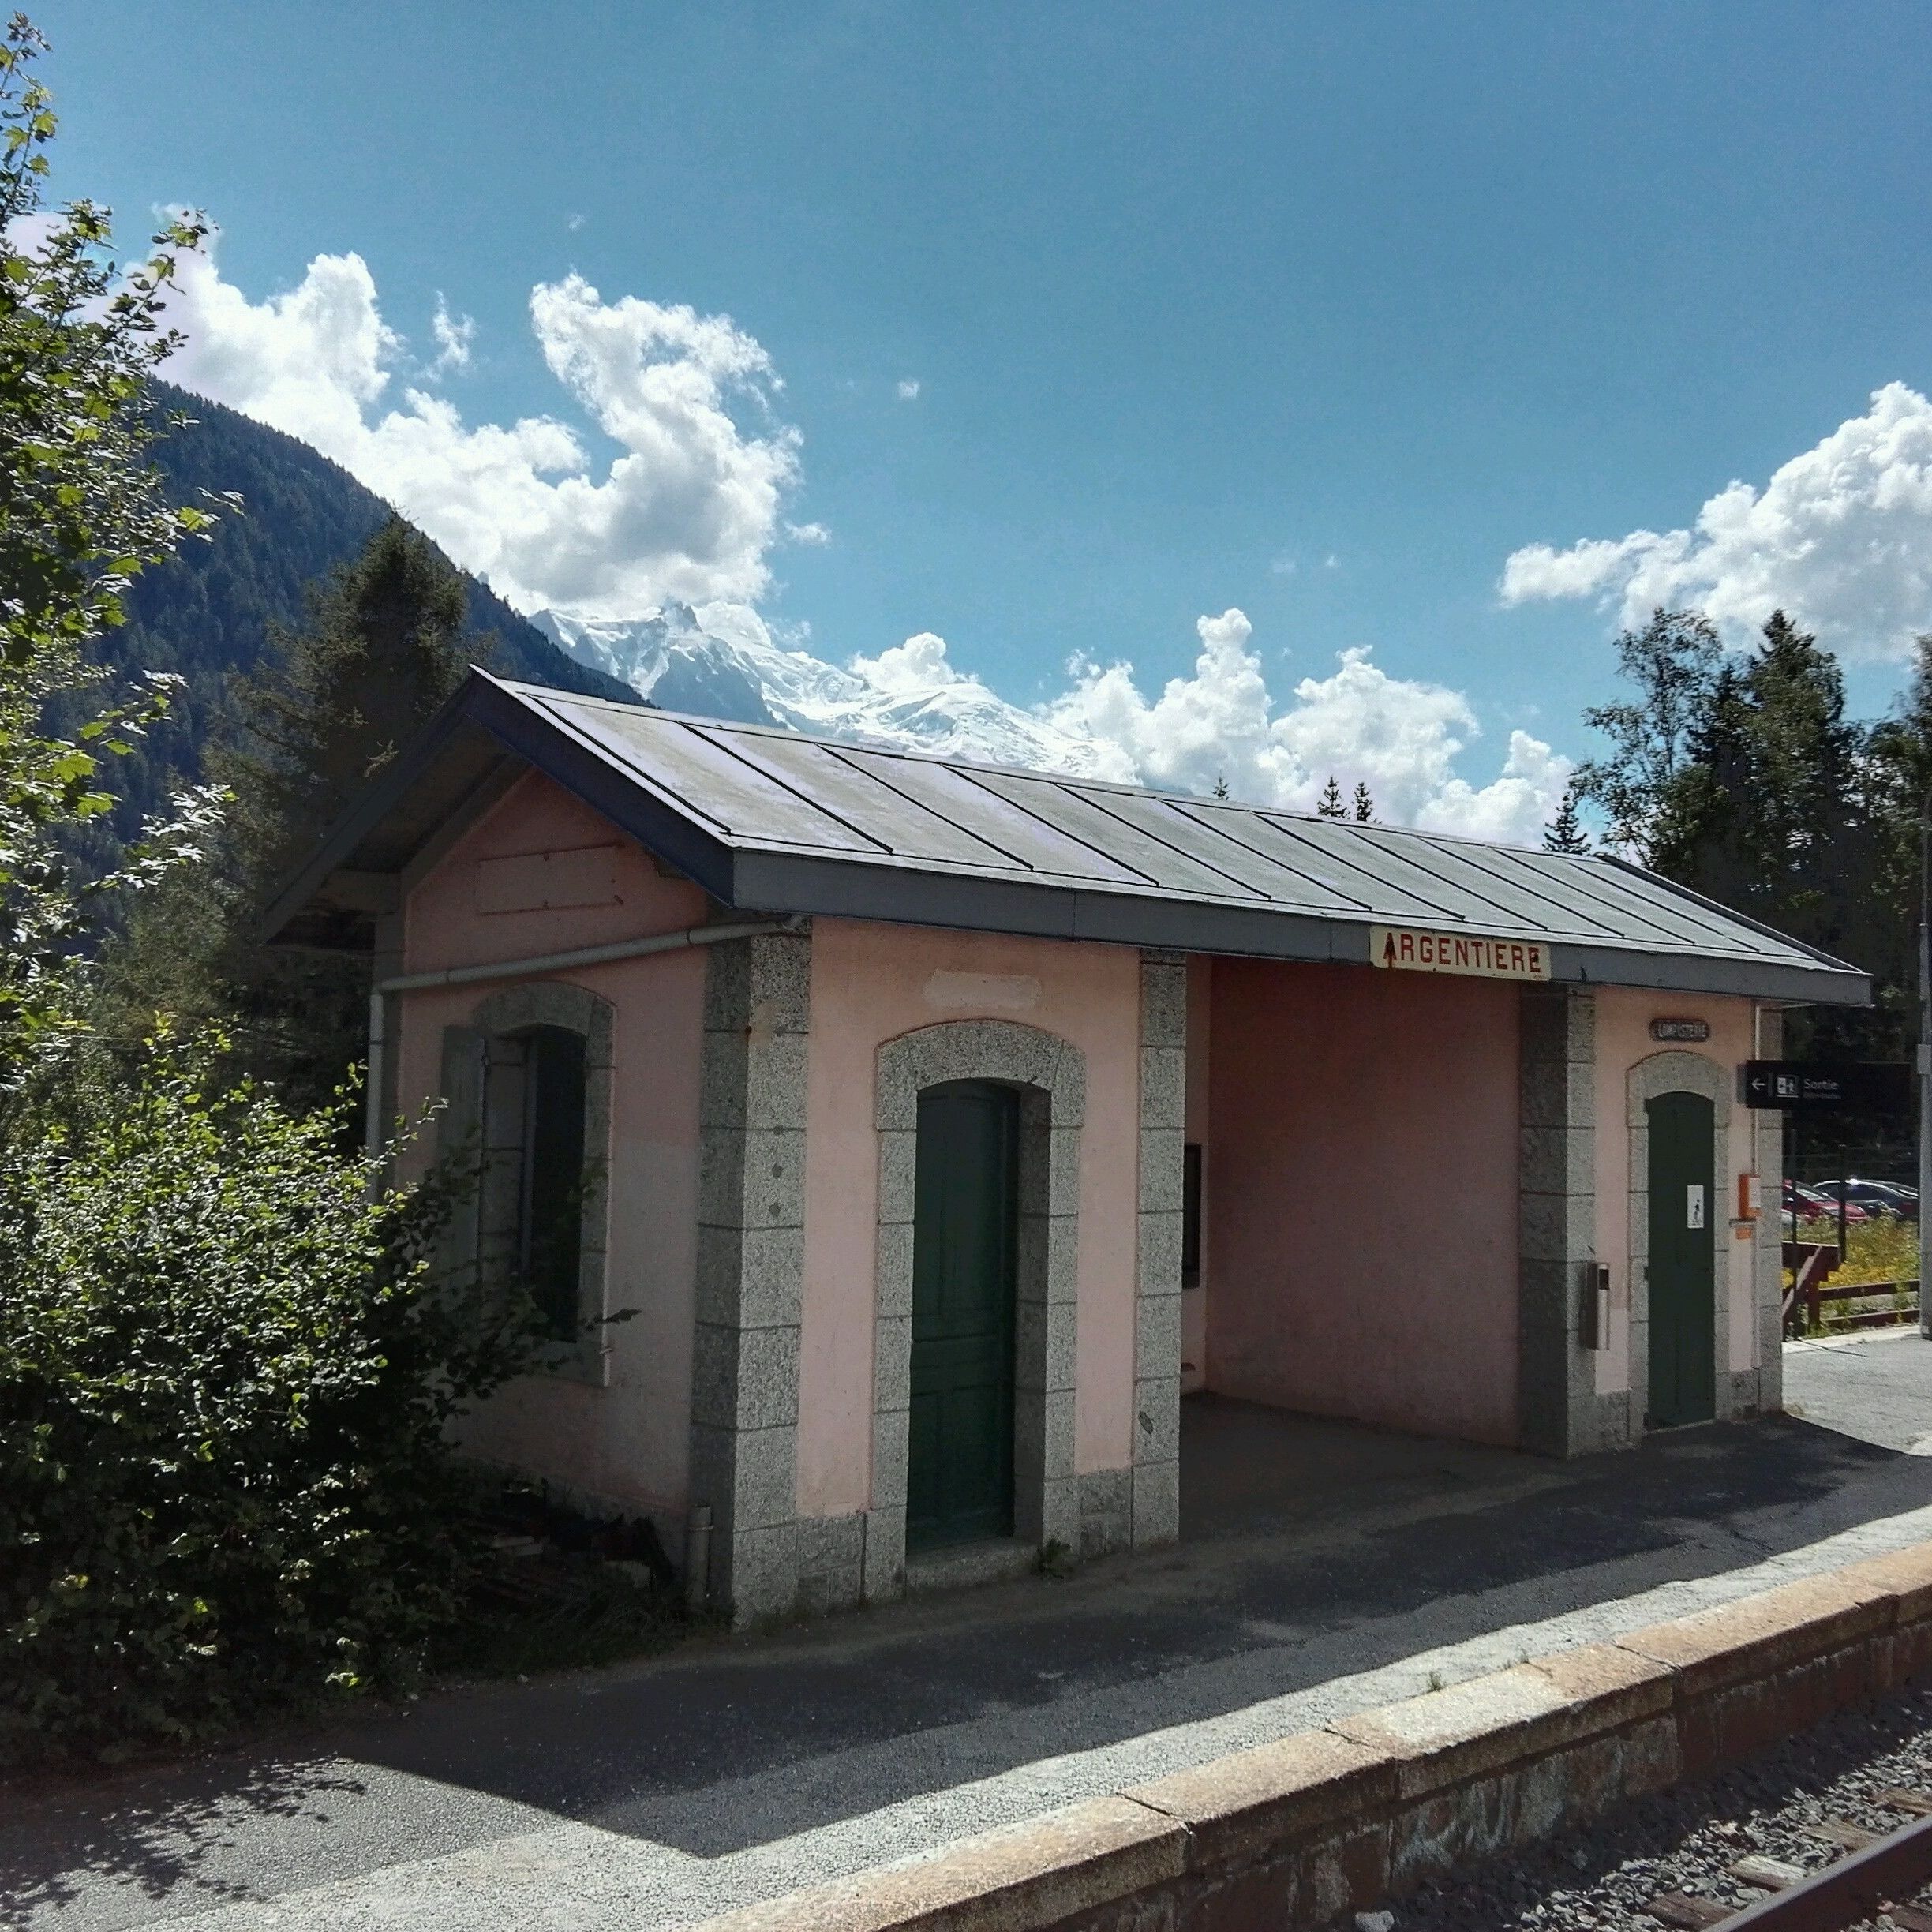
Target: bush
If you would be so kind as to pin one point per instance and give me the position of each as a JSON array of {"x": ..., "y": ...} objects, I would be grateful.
[
  {"x": 1885, "y": 1248},
  {"x": 224, "y": 1380}
]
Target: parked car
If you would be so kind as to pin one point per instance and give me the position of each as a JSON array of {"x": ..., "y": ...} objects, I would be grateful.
[
  {"x": 1811, "y": 1203},
  {"x": 1875, "y": 1197}
]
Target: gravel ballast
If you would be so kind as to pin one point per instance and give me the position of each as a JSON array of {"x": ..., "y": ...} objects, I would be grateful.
[{"x": 1687, "y": 1839}]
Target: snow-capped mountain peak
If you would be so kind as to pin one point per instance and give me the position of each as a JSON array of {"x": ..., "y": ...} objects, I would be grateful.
[{"x": 720, "y": 661}]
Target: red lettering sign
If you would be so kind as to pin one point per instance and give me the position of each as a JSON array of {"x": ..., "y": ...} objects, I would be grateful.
[{"x": 1459, "y": 952}]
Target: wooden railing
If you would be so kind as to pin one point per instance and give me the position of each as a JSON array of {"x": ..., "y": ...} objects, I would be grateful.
[{"x": 1812, "y": 1264}]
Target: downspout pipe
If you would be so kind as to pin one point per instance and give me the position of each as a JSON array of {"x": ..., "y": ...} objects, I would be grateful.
[{"x": 679, "y": 942}]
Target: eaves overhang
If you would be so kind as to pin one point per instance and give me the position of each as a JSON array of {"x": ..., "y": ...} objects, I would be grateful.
[
  {"x": 604, "y": 754},
  {"x": 780, "y": 882}
]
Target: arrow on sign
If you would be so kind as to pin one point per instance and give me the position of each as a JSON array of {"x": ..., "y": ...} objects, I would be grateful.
[{"x": 1799, "y": 1083}]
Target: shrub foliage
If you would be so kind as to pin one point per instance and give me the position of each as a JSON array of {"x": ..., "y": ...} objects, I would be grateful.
[{"x": 225, "y": 1375}]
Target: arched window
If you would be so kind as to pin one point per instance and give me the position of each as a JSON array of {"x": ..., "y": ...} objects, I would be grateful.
[{"x": 527, "y": 1086}]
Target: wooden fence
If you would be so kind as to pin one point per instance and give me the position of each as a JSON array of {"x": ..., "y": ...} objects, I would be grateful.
[{"x": 1812, "y": 1265}]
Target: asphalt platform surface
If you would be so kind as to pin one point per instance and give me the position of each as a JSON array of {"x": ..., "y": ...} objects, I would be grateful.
[{"x": 1325, "y": 1568}]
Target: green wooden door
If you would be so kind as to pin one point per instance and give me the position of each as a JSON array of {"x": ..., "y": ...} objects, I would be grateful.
[
  {"x": 1684, "y": 1295},
  {"x": 958, "y": 1474}
]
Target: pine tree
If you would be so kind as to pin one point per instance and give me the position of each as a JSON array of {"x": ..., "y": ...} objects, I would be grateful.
[
  {"x": 1220, "y": 786},
  {"x": 1899, "y": 779},
  {"x": 1807, "y": 755},
  {"x": 1760, "y": 793},
  {"x": 1365, "y": 805},
  {"x": 1565, "y": 833},
  {"x": 1768, "y": 816},
  {"x": 1330, "y": 805},
  {"x": 381, "y": 652}
]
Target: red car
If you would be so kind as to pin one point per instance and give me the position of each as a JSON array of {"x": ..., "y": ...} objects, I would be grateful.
[{"x": 1808, "y": 1204}]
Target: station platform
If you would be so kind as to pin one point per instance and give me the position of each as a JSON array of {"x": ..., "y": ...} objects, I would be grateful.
[{"x": 1323, "y": 1569}]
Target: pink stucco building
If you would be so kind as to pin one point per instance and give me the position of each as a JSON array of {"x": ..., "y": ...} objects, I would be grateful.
[{"x": 937, "y": 1128}]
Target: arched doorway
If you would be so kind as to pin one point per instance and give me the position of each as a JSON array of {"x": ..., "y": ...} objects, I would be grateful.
[
  {"x": 991, "y": 1163},
  {"x": 965, "y": 1232},
  {"x": 1682, "y": 1260}
]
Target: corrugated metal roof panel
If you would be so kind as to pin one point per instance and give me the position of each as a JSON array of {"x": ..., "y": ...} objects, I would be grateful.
[
  {"x": 1635, "y": 905},
  {"x": 767, "y": 788},
  {"x": 1030, "y": 843},
  {"x": 1206, "y": 836},
  {"x": 849, "y": 788},
  {"x": 701, "y": 771},
  {"x": 1306, "y": 879},
  {"x": 1083, "y": 814},
  {"x": 1486, "y": 893},
  {"x": 883, "y": 833},
  {"x": 1399, "y": 890},
  {"x": 1350, "y": 890}
]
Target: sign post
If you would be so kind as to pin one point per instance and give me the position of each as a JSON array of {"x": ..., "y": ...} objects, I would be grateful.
[
  {"x": 1925, "y": 1066},
  {"x": 1801, "y": 1088}
]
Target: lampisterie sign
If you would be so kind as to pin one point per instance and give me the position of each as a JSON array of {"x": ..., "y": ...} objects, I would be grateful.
[{"x": 1407, "y": 949}]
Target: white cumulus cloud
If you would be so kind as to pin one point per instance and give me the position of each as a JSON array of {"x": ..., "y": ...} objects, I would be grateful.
[
  {"x": 1840, "y": 538},
  {"x": 909, "y": 389},
  {"x": 1400, "y": 736},
  {"x": 683, "y": 500},
  {"x": 455, "y": 338},
  {"x": 911, "y": 669},
  {"x": 688, "y": 507}
]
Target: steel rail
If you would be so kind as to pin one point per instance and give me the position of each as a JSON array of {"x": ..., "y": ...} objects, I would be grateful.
[{"x": 1894, "y": 1866}]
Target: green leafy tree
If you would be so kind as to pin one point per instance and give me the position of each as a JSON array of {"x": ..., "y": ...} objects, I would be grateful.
[
  {"x": 1329, "y": 805},
  {"x": 81, "y": 513},
  {"x": 1901, "y": 745},
  {"x": 1674, "y": 663},
  {"x": 1742, "y": 778},
  {"x": 225, "y": 1372},
  {"x": 1565, "y": 833},
  {"x": 382, "y": 651}
]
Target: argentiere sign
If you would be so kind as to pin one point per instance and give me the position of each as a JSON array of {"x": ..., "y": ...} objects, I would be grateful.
[{"x": 1409, "y": 950}]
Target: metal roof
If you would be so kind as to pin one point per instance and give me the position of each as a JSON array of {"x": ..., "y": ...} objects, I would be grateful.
[{"x": 769, "y": 820}]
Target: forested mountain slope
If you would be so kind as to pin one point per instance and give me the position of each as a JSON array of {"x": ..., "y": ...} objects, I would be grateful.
[{"x": 212, "y": 610}]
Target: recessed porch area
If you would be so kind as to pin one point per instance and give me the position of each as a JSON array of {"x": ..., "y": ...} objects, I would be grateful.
[{"x": 1250, "y": 1471}]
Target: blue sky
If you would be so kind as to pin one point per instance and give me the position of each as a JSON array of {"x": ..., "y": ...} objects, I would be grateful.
[{"x": 1319, "y": 311}]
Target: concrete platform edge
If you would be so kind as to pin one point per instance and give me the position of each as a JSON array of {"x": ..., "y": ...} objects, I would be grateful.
[{"x": 1295, "y": 1833}]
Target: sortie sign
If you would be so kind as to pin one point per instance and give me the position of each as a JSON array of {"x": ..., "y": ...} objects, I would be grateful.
[
  {"x": 1803, "y": 1085},
  {"x": 1411, "y": 951}
]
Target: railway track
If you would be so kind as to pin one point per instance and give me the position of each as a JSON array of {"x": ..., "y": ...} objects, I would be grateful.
[
  {"x": 1823, "y": 1832},
  {"x": 1880, "y": 1875}
]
